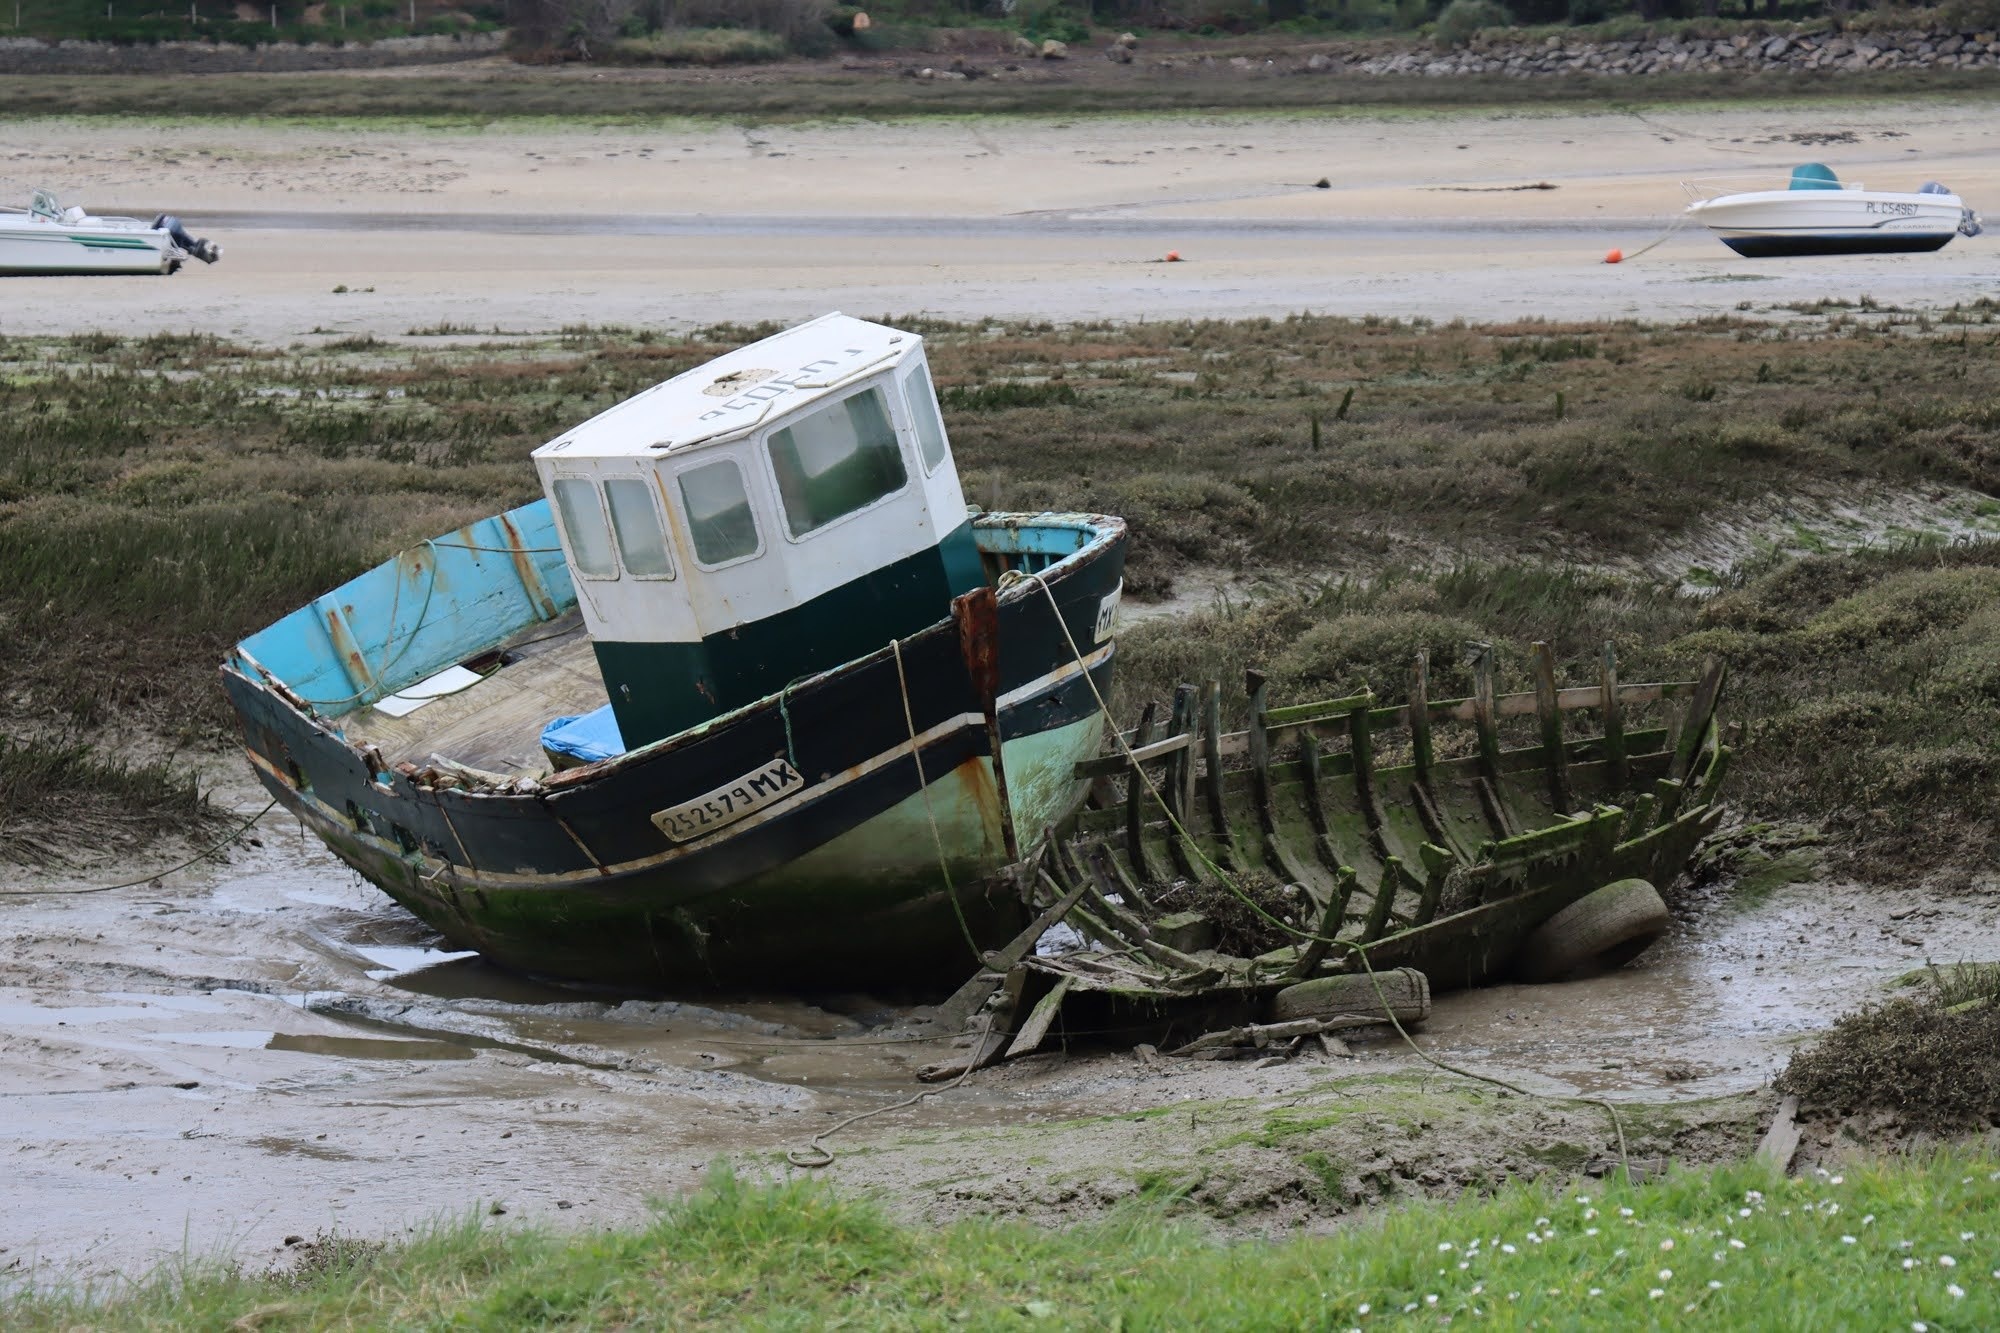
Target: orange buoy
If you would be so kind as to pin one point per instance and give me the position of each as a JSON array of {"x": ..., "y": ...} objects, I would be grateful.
[
  {"x": 1173, "y": 256},
  {"x": 1615, "y": 257}
]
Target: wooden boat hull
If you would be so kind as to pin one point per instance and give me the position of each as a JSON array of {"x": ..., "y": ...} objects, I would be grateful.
[
  {"x": 1446, "y": 865},
  {"x": 834, "y": 882}
]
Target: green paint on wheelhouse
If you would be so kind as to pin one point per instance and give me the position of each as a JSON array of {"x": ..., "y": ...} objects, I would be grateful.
[{"x": 779, "y": 511}]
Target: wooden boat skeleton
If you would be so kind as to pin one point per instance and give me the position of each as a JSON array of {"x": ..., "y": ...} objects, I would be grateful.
[{"x": 1442, "y": 864}]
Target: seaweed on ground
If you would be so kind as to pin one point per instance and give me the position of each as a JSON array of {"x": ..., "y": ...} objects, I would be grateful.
[{"x": 1928, "y": 1061}]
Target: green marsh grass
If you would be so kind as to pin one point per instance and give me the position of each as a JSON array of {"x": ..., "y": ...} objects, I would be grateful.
[
  {"x": 1891, "y": 1245},
  {"x": 161, "y": 497}
]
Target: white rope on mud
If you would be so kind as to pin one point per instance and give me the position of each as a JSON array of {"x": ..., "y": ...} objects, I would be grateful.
[
  {"x": 805, "y": 1157},
  {"x": 201, "y": 855}
]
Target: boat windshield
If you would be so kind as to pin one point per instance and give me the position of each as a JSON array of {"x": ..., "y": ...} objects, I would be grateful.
[{"x": 43, "y": 205}]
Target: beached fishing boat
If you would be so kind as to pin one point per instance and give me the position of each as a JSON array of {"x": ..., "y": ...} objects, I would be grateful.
[
  {"x": 1233, "y": 890},
  {"x": 46, "y": 238},
  {"x": 723, "y": 707},
  {"x": 1817, "y": 215}
]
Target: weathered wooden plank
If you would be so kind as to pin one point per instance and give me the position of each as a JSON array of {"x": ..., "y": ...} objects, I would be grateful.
[
  {"x": 1115, "y": 765},
  {"x": 1330, "y": 710},
  {"x": 1036, "y": 1030},
  {"x": 1550, "y": 716},
  {"x": 967, "y": 999},
  {"x": 1419, "y": 713},
  {"x": 1701, "y": 711},
  {"x": 1329, "y": 925},
  {"x": 1613, "y": 704},
  {"x": 1483, "y": 715},
  {"x": 1211, "y": 736},
  {"x": 1139, "y": 799}
]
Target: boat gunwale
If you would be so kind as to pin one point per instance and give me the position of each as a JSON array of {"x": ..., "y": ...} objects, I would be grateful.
[{"x": 1104, "y": 534}]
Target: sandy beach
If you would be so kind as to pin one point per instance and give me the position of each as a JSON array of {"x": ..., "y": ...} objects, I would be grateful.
[{"x": 530, "y": 228}]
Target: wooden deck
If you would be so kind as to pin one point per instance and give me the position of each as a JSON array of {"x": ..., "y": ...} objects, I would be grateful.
[{"x": 497, "y": 724}]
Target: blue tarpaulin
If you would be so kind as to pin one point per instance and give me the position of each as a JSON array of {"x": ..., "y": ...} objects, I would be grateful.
[{"x": 586, "y": 738}]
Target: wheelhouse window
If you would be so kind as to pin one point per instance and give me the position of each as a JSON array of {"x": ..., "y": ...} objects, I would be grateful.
[
  {"x": 635, "y": 520},
  {"x": 583, "y": 523},
  {"x": 924, "y": 415},
  {"x": 834, "y": 461},
  {"x": 718, "y": 513}
]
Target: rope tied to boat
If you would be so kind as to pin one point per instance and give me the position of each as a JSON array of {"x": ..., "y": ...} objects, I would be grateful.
[
  {"x": 201, "y": 855},
  {"x": 930, "y": 812},
  {"x": 1360, "y": 951}
]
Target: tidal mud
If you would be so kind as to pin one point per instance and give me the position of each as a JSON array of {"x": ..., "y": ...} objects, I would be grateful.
[{"x": 268, "y": 1047}]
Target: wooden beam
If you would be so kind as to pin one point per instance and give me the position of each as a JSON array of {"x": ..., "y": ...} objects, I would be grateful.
[{"x": 1553, "y": 759}]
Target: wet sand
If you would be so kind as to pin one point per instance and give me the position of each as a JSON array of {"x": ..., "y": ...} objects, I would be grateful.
[
  {"x": 270, "y": 1048},
  {"x": 679, "y": 224}
]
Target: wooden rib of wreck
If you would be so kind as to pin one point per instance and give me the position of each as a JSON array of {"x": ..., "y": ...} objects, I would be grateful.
[
  {"x": 713, "y": 712},
  {"x": 1443, "y": 870}
]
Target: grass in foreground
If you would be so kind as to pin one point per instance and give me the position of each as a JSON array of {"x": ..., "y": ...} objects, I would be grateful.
[{"x": 1902, "y": 1245}]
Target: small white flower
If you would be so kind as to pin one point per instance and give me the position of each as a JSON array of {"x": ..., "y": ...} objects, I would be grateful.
[
  {"x": 1667, "y": 1244},
  {"x": 1590, "y": 1214},
  {"x": 1541, "y": 1221},
  {"x": 1430, "y": 1300},
  {"x": 1443, "y": 1246},
  {"x": 1512, "y": 1295},
  {"x": 1361, "y": 1308},
  {"x": 1718, "y": 1256},
  {"x": 1836, "y": 1180},
  {"x": 1868, "y": 1219},
  {"x": 1590, "y": 1231},
  {"x": 1618, "y": 1254},
  {"x": 1506, "y": 1249},
  {"x": 1946, "y": 1261},
  {"x": 1713, "y": 1285},
  {"x": 1597, "y": 1291},
  {"x": 1847, "y": 1240},
  {"x": 1688, "y": 1308},
  {"x": 1908, "y": 1264},
  {"x": 1743, "y": 1212},
  {"x": 1655, "y": 1294},
  {"x": 1583, "y": 1198},
  {"x": 1919, "y": 1326},
  {"x": 1904, "y": 1244},
  {"x": 1736, "y": 1244},
  {"x": 1957, "y": 1292},
  {"x": 1965, "y": 1235},
  {"x": 1462, "y": 1265},
  {"x": 1624, "y": 1212},
  {"x": 1478, "y": 1287},
  {"x": 1754, "y": 1195},
  {"x": 1832, "y": 1208},
  {"x": 1666, "y": 1275}
]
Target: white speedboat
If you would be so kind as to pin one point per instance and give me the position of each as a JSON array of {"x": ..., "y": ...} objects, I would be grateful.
[
  {"x": 46, "y": 238},
  {"x": 1817, "y": 215}
]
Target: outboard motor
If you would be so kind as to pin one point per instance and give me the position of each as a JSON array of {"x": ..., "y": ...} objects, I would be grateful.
[{"x": 204, "y": 250}]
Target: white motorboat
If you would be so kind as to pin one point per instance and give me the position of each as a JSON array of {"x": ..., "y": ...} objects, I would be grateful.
[
  {"x": 1817, "y": 215},
  {"x": 46, "y": 238}
]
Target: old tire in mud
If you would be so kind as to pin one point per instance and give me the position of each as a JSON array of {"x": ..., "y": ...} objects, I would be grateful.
[
  {"x": 1605, "y": 929},
  {"x": 1407, "y": 990}
]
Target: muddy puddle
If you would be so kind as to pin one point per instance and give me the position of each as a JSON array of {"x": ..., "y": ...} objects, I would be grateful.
[{"x": 269, "y": 1048}]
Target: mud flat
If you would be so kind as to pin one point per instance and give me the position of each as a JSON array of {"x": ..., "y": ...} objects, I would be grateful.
[
  {"x": 269, "y": 1048},
  {"x": 368, "y": 230}
]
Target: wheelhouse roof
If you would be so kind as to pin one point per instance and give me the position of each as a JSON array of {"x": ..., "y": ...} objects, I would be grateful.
[{"x": 733, "y": 394}]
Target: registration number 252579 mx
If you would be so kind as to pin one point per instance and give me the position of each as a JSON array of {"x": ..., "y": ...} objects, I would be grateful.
[{"x": 730, "y": 802}]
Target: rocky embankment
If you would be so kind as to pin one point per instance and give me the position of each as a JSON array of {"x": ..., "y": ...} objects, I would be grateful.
[{"x": 1495, "y": 54}]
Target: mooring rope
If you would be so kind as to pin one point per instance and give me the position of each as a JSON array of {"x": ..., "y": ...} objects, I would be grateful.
[
  {"x": 923, "y": 785},
  {"x": 1359, "y": 950},
  {"x": 804, "y": 1158},
  {"x": 203, "y": 854}
]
